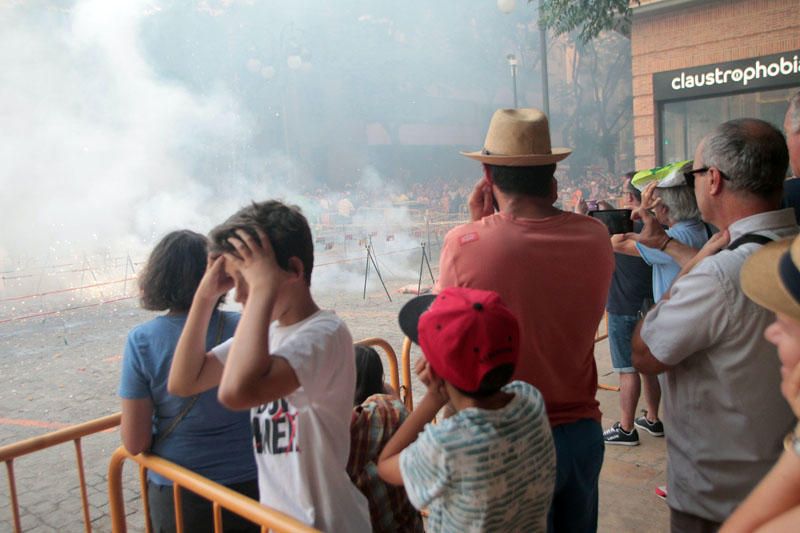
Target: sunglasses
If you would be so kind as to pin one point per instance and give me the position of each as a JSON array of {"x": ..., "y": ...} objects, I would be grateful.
[{"x": 689, "y": 176}]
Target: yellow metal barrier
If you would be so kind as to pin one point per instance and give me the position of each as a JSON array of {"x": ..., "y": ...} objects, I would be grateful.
[
  {"x": 391, "y": 356},
  {"x": 404, "y": 388},
  {"x": 406, "y": 362},
  {"x": 220, "y": 495},
  {"x": 602, "y": 332},
  {"x": 73, "y": 433},
  {"x": 183, "y": 478}
]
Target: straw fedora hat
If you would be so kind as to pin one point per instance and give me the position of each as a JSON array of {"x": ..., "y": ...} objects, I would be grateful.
[
  {"x": 770, "y": 277},
  {"x": 518, "y": 138}
]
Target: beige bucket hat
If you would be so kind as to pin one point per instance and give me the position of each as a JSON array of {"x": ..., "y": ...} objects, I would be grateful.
[
  {"x": 518, "y": 138},
  {"x": 770, "y": 277}
]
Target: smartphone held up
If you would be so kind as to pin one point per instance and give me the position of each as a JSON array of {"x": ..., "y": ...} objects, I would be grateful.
[{"x": 616, "y": 220}]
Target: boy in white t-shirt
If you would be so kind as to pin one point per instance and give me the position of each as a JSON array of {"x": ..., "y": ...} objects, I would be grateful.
[
  {"x": 291, "y": 363},
  {"x": 491, "y": 466}
]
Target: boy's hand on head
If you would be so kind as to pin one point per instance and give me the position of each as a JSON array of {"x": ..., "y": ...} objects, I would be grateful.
[
  {"x": 438, "y": 391},
  {"x": 257, "y": 261},
  {"x": 215, "y": 282},
  {"x": 423, "y": 371}
]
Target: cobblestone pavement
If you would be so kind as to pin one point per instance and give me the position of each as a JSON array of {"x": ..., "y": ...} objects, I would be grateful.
[{"x": 63, "y": 370}]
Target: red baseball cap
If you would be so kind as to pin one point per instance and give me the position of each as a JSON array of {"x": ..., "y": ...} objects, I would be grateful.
[{"x": 464, "y": 333}]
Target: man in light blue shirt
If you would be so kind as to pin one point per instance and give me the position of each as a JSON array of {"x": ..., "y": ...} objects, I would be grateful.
[{"x": 674, "y": 206}]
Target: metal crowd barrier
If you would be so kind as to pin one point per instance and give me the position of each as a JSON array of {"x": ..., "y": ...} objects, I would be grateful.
[
  {"x": 404, "y": 389},
  {"x": 220, "y": 496},
  {"x": 73, "y": 433},
  {"x": 182, "y": 478}
]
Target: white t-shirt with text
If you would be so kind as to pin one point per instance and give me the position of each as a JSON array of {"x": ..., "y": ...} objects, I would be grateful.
[{"x": 302, "y": 441}]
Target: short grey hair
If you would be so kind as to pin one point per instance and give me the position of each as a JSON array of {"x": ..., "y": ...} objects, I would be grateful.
[
  {"x": 751, "y": 153},
  {"x": 680, "y": 201},
  {"x": 794, "y": 113}
]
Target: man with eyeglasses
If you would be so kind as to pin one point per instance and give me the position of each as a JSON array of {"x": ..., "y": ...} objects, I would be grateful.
[
  {"x": 721, "y": 379},
  {"x": 791, "y": 127}
]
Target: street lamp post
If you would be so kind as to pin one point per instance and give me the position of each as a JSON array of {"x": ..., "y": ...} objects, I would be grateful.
[
  {"x": 543, "y": 48},
  {"x": 507, "y": 6},
  {"x": 286, "y": 44},
  {"x": 513, "y": 62}
]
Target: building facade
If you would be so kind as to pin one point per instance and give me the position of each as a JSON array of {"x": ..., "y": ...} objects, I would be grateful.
[{"x": 697, "y": 63}]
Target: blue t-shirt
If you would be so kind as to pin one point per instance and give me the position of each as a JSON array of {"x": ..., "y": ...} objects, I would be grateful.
[
  {"x": 691, "y": 233},
  {"x": 210, "y": 440}
]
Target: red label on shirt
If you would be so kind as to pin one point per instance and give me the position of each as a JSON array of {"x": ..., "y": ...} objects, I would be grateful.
[{"x": 468, "y": 237}]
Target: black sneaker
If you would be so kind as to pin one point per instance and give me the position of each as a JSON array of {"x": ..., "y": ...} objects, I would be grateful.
[
  {"x": 617, "y": 435},
  {"x": 656, "y": 428}
]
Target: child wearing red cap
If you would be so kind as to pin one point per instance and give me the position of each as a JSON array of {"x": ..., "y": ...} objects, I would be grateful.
[{"x": 491, "y": 466}]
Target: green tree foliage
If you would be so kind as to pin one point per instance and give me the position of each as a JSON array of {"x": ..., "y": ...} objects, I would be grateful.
[{"x": 589, "y": 17}]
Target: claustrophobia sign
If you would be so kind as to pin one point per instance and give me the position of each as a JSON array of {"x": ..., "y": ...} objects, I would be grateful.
[{"x": 767, "y": 72}]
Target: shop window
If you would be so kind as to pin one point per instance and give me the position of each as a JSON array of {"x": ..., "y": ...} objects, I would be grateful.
[{"x": 684, "y": 123}]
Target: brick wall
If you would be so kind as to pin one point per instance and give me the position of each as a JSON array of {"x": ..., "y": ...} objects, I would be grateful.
[{"x": 699, "y": 34}]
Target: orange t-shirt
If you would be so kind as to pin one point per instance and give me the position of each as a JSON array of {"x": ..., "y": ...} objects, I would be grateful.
[{"x": 554, "y": 273}]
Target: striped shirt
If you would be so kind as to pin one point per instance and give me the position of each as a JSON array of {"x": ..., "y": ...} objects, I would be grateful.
[
  {"x": 372, "y": 425},
  {"x": 485, "y": 470}
]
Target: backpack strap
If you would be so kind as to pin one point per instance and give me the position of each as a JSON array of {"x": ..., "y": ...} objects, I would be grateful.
[
  {"x": 750, "y": 238},
  {"x": 193, "y": 400}
]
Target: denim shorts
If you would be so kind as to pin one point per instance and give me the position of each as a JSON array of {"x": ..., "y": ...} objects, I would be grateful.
[{"x": 620, "y": 333}]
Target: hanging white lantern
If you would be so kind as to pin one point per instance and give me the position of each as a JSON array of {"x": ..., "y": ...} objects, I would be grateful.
[
  {"x": 294, "y": 61},
  {"x": 268, "y": 72},
  {"x": 506, "y": 6}
]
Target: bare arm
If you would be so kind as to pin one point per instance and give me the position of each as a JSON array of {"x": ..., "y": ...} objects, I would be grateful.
[
  {"x": 680, "y": 252},
  {"x": 643, "y": 360},
  {"x": 252, "y": 375},
  {"x": 776, "y": 494},
  {"x": 137, "y": 424},
  {"x": 653, "y": 234},
  {"x": 785, "y": 523},
  {"x": 625, "y": 244},
  {"x": 389, "y": 460},
  {"x": 193, "y": 370},
  {"x": 716, "y": 243}
]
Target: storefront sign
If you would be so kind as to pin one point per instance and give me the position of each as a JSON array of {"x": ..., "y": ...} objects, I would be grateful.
[{"x": 767, "y": 72}]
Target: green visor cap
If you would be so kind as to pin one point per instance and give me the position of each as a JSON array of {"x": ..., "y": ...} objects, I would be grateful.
[{"x": 667, "y": 176}]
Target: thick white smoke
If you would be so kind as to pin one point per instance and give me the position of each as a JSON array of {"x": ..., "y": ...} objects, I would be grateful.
[{"x": 96, "y": 151}]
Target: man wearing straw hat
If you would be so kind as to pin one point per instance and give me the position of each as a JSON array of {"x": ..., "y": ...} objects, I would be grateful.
[
  {"x": 553, "y": 269},
  {"x": 721, "y": 381}
]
